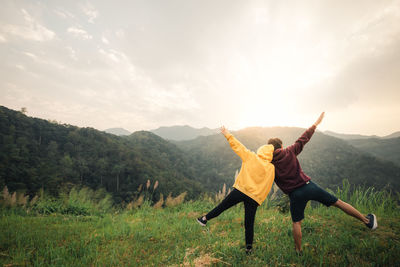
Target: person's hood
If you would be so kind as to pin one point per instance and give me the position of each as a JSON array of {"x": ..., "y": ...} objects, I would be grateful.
[
  {"x": 279, "y": 154},
  {"x": 265, "y": 152}
]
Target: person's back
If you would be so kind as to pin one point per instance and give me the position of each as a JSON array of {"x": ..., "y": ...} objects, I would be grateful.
[{"x": 288, "y": 172}]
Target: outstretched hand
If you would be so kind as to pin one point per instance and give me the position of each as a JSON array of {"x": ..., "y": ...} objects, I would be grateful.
[
  {"x": 224, "y": 131},
  {"x": 319, "y": 119}
]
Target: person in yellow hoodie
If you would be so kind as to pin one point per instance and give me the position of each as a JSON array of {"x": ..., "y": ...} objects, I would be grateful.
[{"x": 251, "y": 187}]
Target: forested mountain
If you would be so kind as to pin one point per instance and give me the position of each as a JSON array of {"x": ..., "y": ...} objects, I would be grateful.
[
  {"x": 385, "y": 149},
  {"x": 327, "y": 160},
  {"x": 349, "y": 136},
  {"x": 35, "y": 153},
  {"x": 117, "y": 131},
  {"x": 179, "y": 133},
  {"x": 360, "y": 136}
]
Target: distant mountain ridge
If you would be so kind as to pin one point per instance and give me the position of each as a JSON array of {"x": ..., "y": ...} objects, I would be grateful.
[
  {"x": 117, "y": 131},
  {"x": 360, "y": 136},
  {"x": 180, "y": 133}
]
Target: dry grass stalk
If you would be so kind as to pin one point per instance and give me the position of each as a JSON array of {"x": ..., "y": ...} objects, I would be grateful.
[
  {"x": 274, "y": 194},
  {"x": 138, "y": 202},
  {"x": 169, "y": 200},
  {"x": 13, "y": 200},
  {"x": 129, "y": 206},
  {"x": 221, "y": 194},
  {"x": 155, "y": 185},
  {"x": 6, "y": 196},
  {"x": 140, "y": 188},
  {"x": 34, "y": 200},
  {"x": 174, "y": 201},
  {"x": 21, "y": 199},
  {"x": 159, "y": 203},
  {"x": 148, "y": 184}
]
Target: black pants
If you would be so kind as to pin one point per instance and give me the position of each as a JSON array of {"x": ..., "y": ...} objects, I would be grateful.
[{"x": 250, "y": 208}]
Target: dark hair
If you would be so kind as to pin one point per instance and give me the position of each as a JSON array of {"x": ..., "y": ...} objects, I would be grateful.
[{"x": 276, "y": 142}]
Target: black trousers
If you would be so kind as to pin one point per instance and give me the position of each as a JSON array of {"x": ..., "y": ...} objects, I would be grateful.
[{"x": 250, "y": 208}]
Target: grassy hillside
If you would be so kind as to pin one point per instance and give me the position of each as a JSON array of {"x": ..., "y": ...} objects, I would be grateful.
[
  {"x": 327, "y": 160},
  {"x": 171, "y": 236}
]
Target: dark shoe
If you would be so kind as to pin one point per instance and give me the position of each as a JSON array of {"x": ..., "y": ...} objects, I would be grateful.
[
  {"x": 373, "y": 222},
  {"x": 201, "y": 221},
  {"x": 249, "y": 249}
]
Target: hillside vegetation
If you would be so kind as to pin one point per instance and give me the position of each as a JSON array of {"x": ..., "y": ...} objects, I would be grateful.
[
  {"x": 170, "y": 236},
  {"x": 37, "y": 154},
  {"x": 385, "y": 149}
]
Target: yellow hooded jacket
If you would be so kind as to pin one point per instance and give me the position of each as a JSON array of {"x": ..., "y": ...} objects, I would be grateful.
[{"x": 257, "y": 172}]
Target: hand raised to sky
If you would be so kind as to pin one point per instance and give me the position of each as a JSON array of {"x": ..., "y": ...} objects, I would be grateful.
[
  {"x": 224, "y": 131},
  {"x": 319, "y": 119}
]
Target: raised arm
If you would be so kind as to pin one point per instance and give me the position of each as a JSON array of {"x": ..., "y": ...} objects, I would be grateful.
[
  {"x": 236, "y": 146},
  {"x": 297, "y": 147}
]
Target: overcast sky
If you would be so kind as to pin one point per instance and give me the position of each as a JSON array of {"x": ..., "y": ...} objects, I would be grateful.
[{"x": 144, "y": 64}]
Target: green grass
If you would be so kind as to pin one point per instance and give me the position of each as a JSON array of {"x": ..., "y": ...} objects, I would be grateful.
[{"x": 170, "y": 236}]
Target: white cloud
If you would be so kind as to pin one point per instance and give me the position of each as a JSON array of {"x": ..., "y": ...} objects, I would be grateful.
[
  {"x": 20, "y": 67},
  {"x": 63, "y": 14},
  {"x": 111, "y": 55},
  {"x": 72, "y": 53},
  {"x": 31, "y": 30},
  {"x": 120, "y": 33},
  {"x": 45, "y": 61},
  {"x": 80, "y": 33},
  {"x": 90, "y": 12},
  {"x": 31, "y": 55},
  {"x": 105, "y": 40}
]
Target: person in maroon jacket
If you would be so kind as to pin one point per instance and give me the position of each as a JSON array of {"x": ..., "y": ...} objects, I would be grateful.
[{"x": 291, "y": 179}]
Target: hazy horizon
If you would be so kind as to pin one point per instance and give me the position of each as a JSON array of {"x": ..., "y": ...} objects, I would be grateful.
[
  {"x": 198, "y": 128},
  {"x": 140, "y": 65}
]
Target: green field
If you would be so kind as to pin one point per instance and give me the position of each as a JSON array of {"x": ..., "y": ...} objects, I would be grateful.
[{"x": 170, "y": 236}]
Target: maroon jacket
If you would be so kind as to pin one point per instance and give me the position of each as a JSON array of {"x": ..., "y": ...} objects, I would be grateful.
[{"x": 288, "y": 173}]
